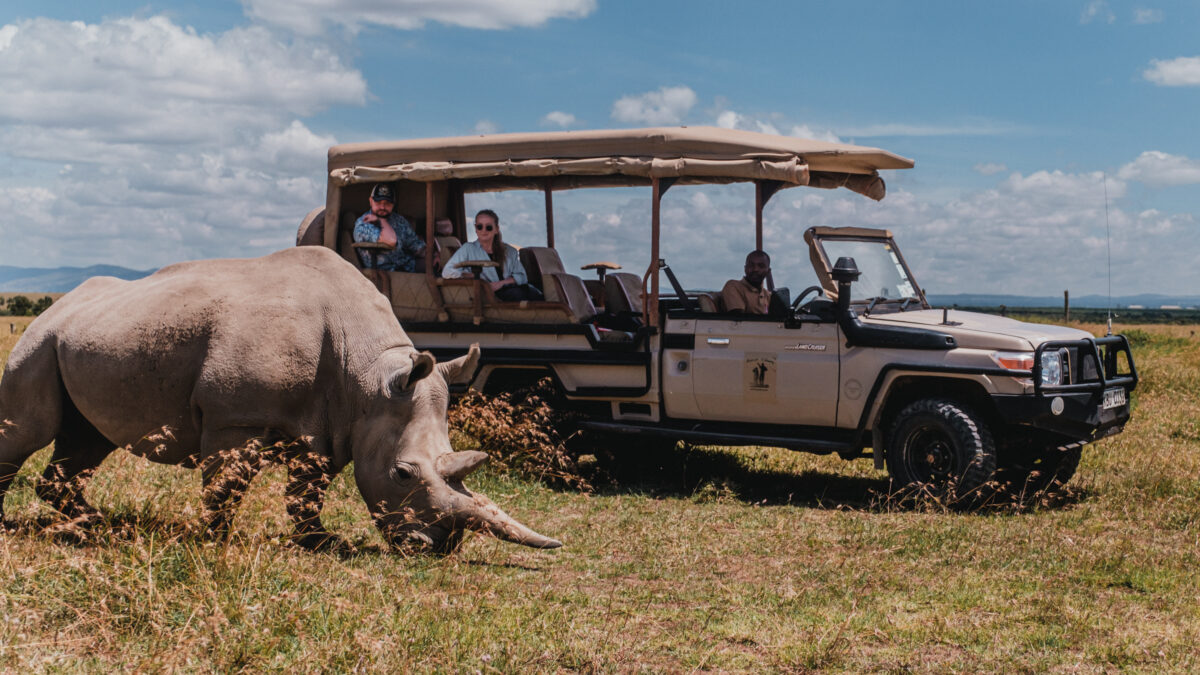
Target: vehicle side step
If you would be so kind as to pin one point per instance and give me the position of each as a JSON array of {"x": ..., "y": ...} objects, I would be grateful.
[{"x": 709, "y": 437}]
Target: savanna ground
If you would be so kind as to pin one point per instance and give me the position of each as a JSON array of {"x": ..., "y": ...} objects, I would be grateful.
[{"x": 744, "y": 559}]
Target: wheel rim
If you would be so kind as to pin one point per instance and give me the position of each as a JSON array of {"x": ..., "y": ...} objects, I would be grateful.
[{"x": 929, "y": 454}]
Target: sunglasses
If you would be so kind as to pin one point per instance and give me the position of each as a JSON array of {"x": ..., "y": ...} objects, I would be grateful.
[{"x": 481, "y": 226}]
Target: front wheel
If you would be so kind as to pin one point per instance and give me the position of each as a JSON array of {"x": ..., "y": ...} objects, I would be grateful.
[{"x": 941, "y": 446}]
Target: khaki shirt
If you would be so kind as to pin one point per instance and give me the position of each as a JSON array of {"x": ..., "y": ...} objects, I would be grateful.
[{"x": 739, "y": 296}]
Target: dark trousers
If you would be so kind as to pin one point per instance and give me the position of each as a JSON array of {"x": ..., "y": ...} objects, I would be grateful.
[{"x": 518, "y": 293}]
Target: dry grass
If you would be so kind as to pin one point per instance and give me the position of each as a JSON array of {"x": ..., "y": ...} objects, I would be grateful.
[{"x": 733, "y": 560}]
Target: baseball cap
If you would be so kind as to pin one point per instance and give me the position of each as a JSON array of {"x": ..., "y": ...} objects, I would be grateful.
[{"x": 383, "y": 192}]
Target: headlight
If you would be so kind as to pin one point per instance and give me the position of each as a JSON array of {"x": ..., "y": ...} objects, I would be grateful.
[{"x": 1051, "y": 368}]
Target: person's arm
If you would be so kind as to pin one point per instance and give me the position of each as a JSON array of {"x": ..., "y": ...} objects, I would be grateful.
[
  {"x": 364, "y": 230},
  {"x": 513, "y": 263}
]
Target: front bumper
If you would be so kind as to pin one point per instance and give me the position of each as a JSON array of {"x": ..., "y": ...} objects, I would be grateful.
[{"x": 1079, "y": 403}]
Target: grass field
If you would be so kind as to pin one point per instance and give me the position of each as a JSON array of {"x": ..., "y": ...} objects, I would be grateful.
[{"x": 731, "y": 560}]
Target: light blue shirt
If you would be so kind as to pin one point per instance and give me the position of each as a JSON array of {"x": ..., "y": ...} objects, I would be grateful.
[{"x": 473, "y": 251}]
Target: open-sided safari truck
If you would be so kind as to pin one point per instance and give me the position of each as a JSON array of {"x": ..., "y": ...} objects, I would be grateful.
[{"x": 952, "y": 401}]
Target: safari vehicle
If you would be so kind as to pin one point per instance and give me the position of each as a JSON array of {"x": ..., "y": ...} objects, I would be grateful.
[{"x": 947, "y": 400}]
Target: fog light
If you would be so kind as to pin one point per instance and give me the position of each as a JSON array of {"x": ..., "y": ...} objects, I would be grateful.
[{"x": 1057, "y": 405}]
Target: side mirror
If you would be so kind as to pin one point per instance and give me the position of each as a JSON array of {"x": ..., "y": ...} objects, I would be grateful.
[{"x": 845, "y": 271}]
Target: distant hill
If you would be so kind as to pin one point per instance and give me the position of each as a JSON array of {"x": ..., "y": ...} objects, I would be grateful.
[
  {"x": 58, "y": 279},
  {"x": 1147, "y": 300}
]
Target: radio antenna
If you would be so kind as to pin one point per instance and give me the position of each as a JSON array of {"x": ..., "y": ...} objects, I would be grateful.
[{"x": 1108, "y": 248}]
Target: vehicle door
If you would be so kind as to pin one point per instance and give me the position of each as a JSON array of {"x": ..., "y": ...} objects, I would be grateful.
[{"x": 757, "y": 369}]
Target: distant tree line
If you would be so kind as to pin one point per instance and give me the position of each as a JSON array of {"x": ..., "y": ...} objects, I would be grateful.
[{"x": 19, "y": 305}]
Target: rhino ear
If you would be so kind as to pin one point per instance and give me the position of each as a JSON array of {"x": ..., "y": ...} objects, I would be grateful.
[
  {"x": 457, "y": 465},
  {"x": 404, "y": 379},
  {"x": 460, "y": 370}
]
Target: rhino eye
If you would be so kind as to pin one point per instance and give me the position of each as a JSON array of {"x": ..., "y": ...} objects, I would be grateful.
[{"x": 403, "y": 472}]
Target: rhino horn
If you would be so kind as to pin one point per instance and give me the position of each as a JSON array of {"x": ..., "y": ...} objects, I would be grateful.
[
  {"x": 458, "y": 465},
  {"x": 460, "y": 370},
  {"x": 480, "y": 513}
]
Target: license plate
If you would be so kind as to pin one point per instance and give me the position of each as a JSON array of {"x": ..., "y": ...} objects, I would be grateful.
[{"x": 1113, "y": 398}]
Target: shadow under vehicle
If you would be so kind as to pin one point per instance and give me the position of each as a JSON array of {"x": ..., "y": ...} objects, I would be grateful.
[{"x": 857, "y": 364}]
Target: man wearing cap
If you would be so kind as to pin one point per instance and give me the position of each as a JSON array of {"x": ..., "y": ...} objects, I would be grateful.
[
  {"x": 748, "y": 295},
  {"x": 381, "y": 224}
]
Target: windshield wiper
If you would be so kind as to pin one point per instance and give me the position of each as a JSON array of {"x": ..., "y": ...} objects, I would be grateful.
[{"x": 873, "y": 301}]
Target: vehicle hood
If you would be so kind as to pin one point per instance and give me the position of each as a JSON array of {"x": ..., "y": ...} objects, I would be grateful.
[{"x": 980, "y": 331}]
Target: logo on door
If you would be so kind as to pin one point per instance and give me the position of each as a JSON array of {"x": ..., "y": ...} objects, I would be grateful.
[{"x": 759, "y": 375}]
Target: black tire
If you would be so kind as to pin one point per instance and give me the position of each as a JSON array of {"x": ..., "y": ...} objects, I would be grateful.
[
  {"x": 942, "y": 447},
  {"x": 1030, "y": 465}
]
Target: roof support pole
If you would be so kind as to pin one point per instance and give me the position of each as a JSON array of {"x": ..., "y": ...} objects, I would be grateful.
[
  {"x": 759, "y": 202},
  {"x": 652, "y": 301},
  {"x": 430, "y": 242},
  {"x": 547, "y": 189}
]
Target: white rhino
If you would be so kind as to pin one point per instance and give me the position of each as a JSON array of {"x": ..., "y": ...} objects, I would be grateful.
[{"x": 296, "y": 346}]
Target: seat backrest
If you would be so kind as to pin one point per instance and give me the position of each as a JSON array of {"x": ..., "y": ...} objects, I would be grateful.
[
  {"x": 569, "y": 290},
  {"x": 622, "y": 293},
  {"x": 539, "y": 262},
  {"x": 710, "y": 303},
  {"x": 448, "y": 245}
]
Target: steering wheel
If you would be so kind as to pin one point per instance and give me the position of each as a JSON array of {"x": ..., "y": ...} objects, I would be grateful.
[{"x": 803, "y": 294}]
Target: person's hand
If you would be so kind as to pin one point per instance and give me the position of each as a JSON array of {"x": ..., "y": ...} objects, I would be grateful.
[
  {"x": 497, "y": 285},
  {"x": 371, "y": 218}
]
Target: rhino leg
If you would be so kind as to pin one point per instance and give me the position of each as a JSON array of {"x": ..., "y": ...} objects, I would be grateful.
[
  {"x": 309, "y": 476},
  {"x": 31, "y": 402},
  {"x": 226, "y": 475},
  {"x": 79, "y": 449}
]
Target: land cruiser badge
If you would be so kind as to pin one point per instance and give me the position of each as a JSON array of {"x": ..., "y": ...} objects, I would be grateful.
[{"x": 759, "y": 375}]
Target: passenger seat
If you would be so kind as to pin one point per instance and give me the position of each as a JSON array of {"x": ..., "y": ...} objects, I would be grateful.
[
  {"x": 622, "y": 293},
  {"x": 545, "y": 270}
]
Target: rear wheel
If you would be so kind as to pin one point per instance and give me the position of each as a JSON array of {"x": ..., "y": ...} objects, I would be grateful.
[{"x": 943, "y": 447}]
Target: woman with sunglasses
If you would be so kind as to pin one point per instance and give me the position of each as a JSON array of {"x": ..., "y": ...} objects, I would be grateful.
[{"x": 509, "y": 281}]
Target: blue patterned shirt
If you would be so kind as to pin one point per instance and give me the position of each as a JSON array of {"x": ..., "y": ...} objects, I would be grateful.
[{"x": 403, "y": 258}]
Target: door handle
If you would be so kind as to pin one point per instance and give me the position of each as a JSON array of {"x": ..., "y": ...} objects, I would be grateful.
[{"x": 720, "y": 342}]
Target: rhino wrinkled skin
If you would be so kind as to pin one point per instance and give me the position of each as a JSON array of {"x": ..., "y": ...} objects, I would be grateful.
[{"x": 295, "y": 348}]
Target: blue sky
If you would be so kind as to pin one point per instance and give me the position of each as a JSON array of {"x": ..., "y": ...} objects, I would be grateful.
[{"x": 143, "y": 133}]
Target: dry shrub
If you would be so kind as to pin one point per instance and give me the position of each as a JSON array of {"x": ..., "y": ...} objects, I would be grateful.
[{"x": 521, "y": 433}]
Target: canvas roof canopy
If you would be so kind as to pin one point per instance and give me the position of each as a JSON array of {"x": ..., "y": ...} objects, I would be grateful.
[{"x": 617, "y": 157}]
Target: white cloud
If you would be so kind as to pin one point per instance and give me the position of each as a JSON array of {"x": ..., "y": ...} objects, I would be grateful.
[
  {"x": 309, "y": 17},
  {"x": 1097, "y": 10},
  {"x": 990, "y": 168},
  {"x": 1159, "y": 169},
  {"x": 1181, "y": 72},
  {"x": 558, "y": 118},
  {"x": 805, "y": 131},
  {"x": 1145, "y": 15},
  {"x": 667, "y": 105},
  {"x": 486, "y": 127},
  {"x": 898, "y": 129},
  {"x": 179, "y": 144},
  {"x": 729, "y": 119}
]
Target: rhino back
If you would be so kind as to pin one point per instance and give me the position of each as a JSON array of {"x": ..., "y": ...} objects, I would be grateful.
[{"x": 265, "y": 343}]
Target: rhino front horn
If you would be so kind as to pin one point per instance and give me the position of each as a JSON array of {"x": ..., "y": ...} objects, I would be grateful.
[{"x": 480, "y": 513}]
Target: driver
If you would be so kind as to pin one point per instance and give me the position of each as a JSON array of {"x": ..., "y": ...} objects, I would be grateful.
[{"x": 748, "y": 295}]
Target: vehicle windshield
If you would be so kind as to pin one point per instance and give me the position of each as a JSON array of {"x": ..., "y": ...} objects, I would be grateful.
[{"x": 883, "y": 276}]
